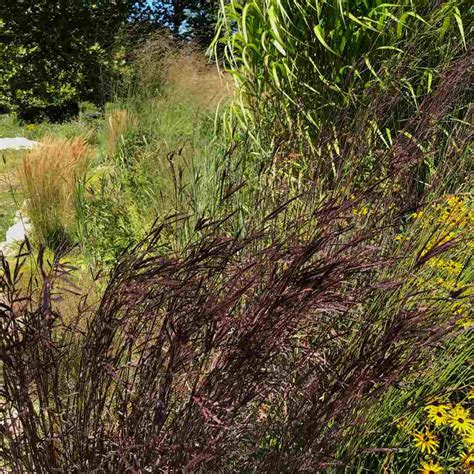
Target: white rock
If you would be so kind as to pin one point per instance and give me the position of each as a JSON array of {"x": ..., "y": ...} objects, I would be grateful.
[
  {"x": 16, "y": 233},
  {"x": 16, "y": 143}
]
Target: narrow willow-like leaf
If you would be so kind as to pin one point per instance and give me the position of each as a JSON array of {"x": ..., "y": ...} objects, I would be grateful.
[
  {"x": 279, "y": 47},
  {"x": 457, "y": 17},
  {"x": 319, "y": 35},
  {"x": 274, "y": 24}
]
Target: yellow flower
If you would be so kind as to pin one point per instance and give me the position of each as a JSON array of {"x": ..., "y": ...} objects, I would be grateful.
[
  {"x": 430, "y": 468},
  {"x": 468, "y": 439},
  {"x": 438, "y": 414},
  {"x": 426, "y": 441},
  {"x": 363, "y": 211},
  {"x": 437, "y": 405},
  {"x": 470, "y": 393},
  {"x": 467, "y": 461},
  {"x": 466, "y": 323},
  {"x": 459, "y": 420}
]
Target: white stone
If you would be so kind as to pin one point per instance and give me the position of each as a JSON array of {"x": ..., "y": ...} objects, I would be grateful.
[
  {"x": 16, "y": 233},
  {"x": 16, "y": 143}
]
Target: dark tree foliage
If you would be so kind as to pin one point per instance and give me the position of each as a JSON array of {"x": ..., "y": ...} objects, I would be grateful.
[
  {"x": 187, "y": 19},
  {"x": 202, "y": 21},
  {"x": 56, "y": 52}
]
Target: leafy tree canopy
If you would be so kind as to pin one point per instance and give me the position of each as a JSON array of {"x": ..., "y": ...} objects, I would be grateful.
[
  {"x": 187, "y": 19},
  {"x": 54, "y": 53}
]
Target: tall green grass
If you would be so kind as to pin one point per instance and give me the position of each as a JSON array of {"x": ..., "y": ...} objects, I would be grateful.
[
  {"x": 301, "y": 65},
  {"x": 161, "y": 153}
]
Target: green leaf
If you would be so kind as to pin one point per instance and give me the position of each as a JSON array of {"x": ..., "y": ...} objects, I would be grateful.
[
  {"x": 371, "y": 69},
  {"x": 430, "y": 81},
  {"x": 457, "y": 17},
  {"x": 319, "y": 35},
  {"x": 361, "y": 23},
  {"x": 244, "y": 21},
  {"x": 279, "y": 47},
  {"x": 275, "y": 76},
  {"x": 274, "y": 24}
]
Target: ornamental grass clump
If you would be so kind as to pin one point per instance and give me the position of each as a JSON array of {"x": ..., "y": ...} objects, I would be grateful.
[
  {"x": 298, "y": 323},
  {"x": 50, "y": 173},
  {"x": 253, "y": 352},
  {"x": 181, "y": 71}
]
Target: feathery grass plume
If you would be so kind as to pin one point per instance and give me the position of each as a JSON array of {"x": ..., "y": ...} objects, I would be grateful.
[
  {"x": 181, "y": 71},
  {"x": 49, "y": 173},
  {"x": 118, "y": 123}
]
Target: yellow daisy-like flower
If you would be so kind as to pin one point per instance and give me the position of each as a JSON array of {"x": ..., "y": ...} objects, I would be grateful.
[
  {"x": 467, "y": 461},
  {"x": 426, "y": 441},
  {"x": 468, "y": 439},
  {"x": 438, "y": 414},
  {"x": 459, "y": 420},
  {"x": 430, "y": 468},
  {"x": 417, "y": 215},
  {"x": 470, "y": 393}
]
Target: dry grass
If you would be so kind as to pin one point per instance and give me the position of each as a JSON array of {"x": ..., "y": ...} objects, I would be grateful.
[
  {"x": 183, "y": 70},
  {"x": 49, "y": 174},
  {"x": 189, "y": 75},
  {"x": 118, "y": 123}
]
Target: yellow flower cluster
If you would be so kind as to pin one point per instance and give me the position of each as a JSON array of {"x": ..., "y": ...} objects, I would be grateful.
[
  {"x": 458, "y": 421},
  {"x": 451, "y": 267},
  {"x": 452, "y": 218},
  {"x": 446, "y": 443},
  {"x": 456, "y": 417},
  {"x": 456, "y": 212},
  {"x": 361, "y": 211}
]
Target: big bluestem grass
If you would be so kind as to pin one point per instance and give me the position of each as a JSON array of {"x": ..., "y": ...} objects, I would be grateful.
[
  {"x": 283, "y": 327},
  {"x": 265, "y": 351}
]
